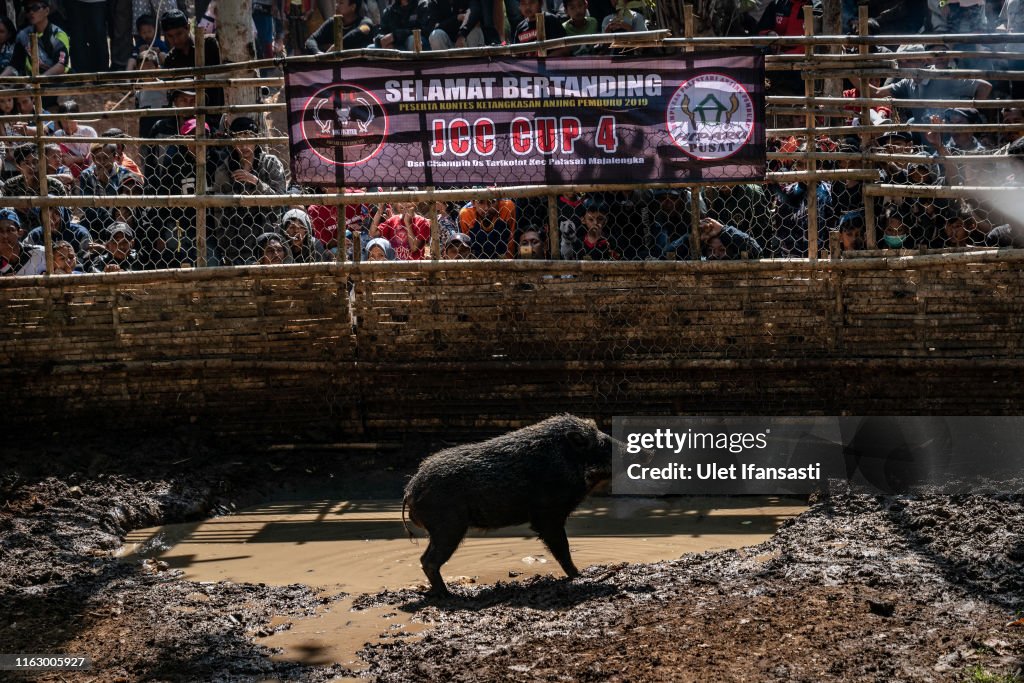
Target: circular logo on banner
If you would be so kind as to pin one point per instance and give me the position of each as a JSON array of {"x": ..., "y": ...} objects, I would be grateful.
[
  {"x": 344, "y": 124},
  {"x": 710, "y": 117}
]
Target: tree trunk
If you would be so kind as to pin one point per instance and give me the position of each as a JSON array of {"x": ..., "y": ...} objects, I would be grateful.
[
  {"x": 832, "y": 23},
  {"x": 236, "y": 40}
]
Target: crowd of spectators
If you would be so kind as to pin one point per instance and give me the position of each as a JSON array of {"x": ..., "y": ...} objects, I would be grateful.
[{"x": 735, "y": 221}]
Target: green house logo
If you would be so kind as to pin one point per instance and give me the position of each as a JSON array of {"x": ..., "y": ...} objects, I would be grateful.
[{"x": 710, "y": 110}]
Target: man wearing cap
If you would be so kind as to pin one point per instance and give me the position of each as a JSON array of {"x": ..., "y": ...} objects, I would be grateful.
[
  {"x": 458, "y": 246},
  {"x": 54, "y": 44},
  {"x": 247, "y": 169},
  {"x": 174, "y": 25},
  {"x": 16, "y": 257},
  {"x": 918, "y": 88},
  {"x": 62, "y": 228},
  {"x": 116, "y": 253}
]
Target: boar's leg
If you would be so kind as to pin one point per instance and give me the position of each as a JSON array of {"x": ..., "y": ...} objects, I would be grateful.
[
  {"x": 443, "y": 542},
  {"x": 553, "y": 536}
]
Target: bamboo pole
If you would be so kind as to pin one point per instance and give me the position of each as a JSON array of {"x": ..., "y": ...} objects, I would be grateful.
[
  {"x": 339, "y": 209},
  {"x": 200, "y": 150},
  {"x": 554, "y": 246},
  {"x": 645, "y": 39},
  {"x": 865, "y": 120},
  {"x": 629, "y": 269},
  {"x": 435, "y": 226},
  {"x": 812, "y": 145},
  {"x": 689, "y": 28},
  {"x": 42, "y": 178},
  {"x": 233, "y": 201}
]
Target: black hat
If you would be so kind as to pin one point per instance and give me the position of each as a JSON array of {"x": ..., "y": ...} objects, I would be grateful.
[
  {"x": 896, "y": 135},
  {"x": 173, "y": 19},
  {"x": 243, "y": 124},
  {"x": 457, "y": 239}
]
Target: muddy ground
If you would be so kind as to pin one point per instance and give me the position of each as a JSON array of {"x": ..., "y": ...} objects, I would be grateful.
[{"x": 922, "y": 587}]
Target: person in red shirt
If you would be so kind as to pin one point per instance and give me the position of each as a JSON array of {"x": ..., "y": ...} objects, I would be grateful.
[{"x": 407, "y": 231}]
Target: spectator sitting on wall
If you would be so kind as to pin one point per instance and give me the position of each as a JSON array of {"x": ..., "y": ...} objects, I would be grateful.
[
  {"x": 963, "y": 141},
  {"x": 101, "y": 179},
  {"x": 16, "y": 257},
  {"x": 270, "y": 250},
  {"x": 176, "y": 175},
  {"x": 76, "y": 150},
  {"x": 526, "y": 30},
  {"x": 297, "y": 230},
  {"x": 26, "y": 183},
  {"x": 8, "y": 34},
  {"x": 1013, "y": 116},
  {"x": 458, "y": 246},
  {"x": 671, "y": 217},
  {"x": 115, "y": 253},
  {"x": 65, "y": 261},
  {"x": 407, "y": 232},
  {"x": 593, "y": 244},
  {"x": 357, "y": 29},
  {"x": 174, "y": 25},
  {"x": 491, "y": 226},
  {"x": 54, "y": 45},
  {"x": 624, "y": 20},
  {"x": 120, "y": 156},
  {"x": 897, "y": 223},
  {"x": 55, "y": 167},
  {"x": 62, "y": 228},
  {"x": 931, "y": 88},
  {"x": 580, "y": 23},
  {"x": 246, "y": 170},
  {"x": 379, "y": 249},
  {"x": 533, "y": 244},
  {"x": 851, "y": 231},
  {"x": 458, "y": 25},
  {"x": 400, "y": 19},
  {"x": 718, "y": 242}
]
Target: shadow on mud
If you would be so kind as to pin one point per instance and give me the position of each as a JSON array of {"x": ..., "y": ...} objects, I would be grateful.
[{"x": 540, "y": 593}]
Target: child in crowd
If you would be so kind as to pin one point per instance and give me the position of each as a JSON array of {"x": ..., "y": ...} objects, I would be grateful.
[{"x": 147, "y": 43}]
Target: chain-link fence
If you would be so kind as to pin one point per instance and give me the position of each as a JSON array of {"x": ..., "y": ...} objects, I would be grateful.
[{"x": 171, "y": 183}]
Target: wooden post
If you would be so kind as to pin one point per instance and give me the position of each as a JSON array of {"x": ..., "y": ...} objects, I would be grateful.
[
  {"x": 435, "y": 227},
  {"x": 554, "y": 243},
  {"x": 200, "y": 153},
  {"x": 811, "y": 161},
  {"x": 832, "y": 24},
  {"x": 689, "y": 29},
  {"x": 339, "y": 209},
  {"x": 41, "y": 175},
  {"x": 865, "y": 120}
]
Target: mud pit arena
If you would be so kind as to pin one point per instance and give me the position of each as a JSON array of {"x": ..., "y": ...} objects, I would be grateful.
[{"x": 205, "y": 457}]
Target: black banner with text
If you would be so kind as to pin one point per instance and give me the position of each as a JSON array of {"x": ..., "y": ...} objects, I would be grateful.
[{"x": 527, "y": 121}]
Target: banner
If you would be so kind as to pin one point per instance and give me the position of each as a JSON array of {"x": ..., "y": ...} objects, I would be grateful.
[{"x": 527, "y": 121}]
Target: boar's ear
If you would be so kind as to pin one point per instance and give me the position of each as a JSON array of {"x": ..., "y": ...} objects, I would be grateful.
[{"x": 578, "y": 440}]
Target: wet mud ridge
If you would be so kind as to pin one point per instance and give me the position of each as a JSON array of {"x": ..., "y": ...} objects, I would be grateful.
[{"x": 860, "y": 588}]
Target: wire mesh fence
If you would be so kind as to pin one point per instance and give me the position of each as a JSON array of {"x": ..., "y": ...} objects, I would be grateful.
[{"x": 171, "y": 183}]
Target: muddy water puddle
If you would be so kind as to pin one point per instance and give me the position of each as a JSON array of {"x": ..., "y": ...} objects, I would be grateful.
[{"x": 360, "y": 546}]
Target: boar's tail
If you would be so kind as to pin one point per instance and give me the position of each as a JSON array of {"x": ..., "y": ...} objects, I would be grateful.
[{"x": 407, "y": 529}]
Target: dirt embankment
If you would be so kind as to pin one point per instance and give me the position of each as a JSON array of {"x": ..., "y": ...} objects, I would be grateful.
[{"x": 860, "y": 588}]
